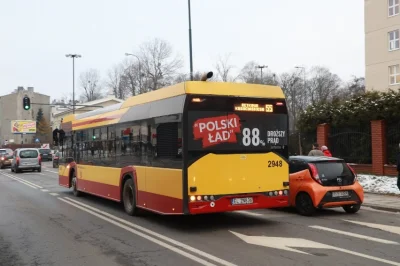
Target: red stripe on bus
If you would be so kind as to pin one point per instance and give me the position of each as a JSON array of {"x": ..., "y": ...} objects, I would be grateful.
[
  {"x": 159, "y": 203},
  {"x": 100, "y": 189},
  {"x": 97, "y": 120},
  {"x": 223, "y": 204},
  {"x": 63, "y": 181}
]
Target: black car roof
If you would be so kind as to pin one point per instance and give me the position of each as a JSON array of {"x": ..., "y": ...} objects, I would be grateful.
[{"x": 312, "y": 159}]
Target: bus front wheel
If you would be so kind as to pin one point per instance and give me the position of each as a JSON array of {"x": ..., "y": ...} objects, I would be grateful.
[{"x": 129, "y": 197}]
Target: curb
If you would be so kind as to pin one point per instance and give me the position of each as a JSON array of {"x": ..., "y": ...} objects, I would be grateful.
[{"x": 382, "y": 208}]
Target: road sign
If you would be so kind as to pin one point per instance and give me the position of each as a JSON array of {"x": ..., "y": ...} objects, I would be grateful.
[
  {"x": 288, "y": 244},
  {"x": 37, "y": 140}
]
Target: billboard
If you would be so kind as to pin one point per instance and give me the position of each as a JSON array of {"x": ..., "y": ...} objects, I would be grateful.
[{"x": 23, "y": 127}]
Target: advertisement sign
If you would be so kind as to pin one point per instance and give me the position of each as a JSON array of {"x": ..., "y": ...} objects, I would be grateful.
[{"x": 23, "y": 127}]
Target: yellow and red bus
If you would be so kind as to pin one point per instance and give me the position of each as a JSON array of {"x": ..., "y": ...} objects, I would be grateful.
[{"x": 191, "y": 148}]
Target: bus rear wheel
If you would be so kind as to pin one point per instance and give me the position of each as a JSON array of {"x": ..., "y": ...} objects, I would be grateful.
[
  {"x": 129, "y": 197},
  {"x": 75, "y": 190}
]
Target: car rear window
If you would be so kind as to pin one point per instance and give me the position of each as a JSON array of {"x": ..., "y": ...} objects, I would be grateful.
[
  {"x": 28, "y": 154},
  {"x": 332, "y": 170},
  {"x": 44, "y": 151},
  {"x": 3, "y": 151}
]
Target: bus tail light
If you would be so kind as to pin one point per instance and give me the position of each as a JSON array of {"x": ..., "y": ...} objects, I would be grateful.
[
  {"x": 314, "y": 173},
  {"x": 279, "y": 103},
  {"x": 198, "y": 100}
]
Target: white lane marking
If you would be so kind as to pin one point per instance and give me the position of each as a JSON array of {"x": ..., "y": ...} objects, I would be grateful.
[
  {"x": 32, "y": 184},
  {"x": 45, "y": 190},
  {"x": 383, "y": 227},
  {"x": 9, "y": 176},
  {"x": 48, "y": 175},
  {"x": 288, "y": 244},
  {"x": 51, "y": 171},
  {"x": 152, "y": 239},
  {"x": 54, "y": 194},
  {"x": 165, "y": 238},
  {"x": 384, "y": 241},
  {"x": 365, "y": 208},
  {"x": 249, "y": 213}
]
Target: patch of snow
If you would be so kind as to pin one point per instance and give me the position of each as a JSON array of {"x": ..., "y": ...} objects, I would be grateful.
[{"x": 379, "y": 184}]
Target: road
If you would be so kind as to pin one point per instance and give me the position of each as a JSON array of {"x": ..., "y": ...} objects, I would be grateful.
[{"x": 44, "y": 224}]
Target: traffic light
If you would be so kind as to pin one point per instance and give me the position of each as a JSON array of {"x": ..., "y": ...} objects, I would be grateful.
[{"x": 26, "y": 103}]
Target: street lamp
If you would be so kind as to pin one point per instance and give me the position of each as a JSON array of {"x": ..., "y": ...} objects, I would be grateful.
[
  {"x": 140, "y": 68},
  {"x": 261, "y": 68},
  {"x": 190, "y": 42},
  {"x": 304, "y": 77},
  {"x": 73, "y": 56},
  {"x": 304, "y": 88}
]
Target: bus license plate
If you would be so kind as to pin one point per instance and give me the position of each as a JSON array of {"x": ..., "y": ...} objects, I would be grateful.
[
  {"x": 239, "y": 201},
  {"x": 340, "y": 194}
]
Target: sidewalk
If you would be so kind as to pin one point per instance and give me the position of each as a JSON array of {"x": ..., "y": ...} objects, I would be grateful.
[{"x": 382, "y": 202}]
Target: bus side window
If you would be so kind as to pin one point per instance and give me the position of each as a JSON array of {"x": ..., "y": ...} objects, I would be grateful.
[{"x": 168, "y": 149}]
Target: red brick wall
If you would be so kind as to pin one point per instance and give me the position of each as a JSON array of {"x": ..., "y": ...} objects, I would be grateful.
[
  {"x": 378, "y": 143},
  {"x": 390, "y": 170},
  {"x": 362, "y": 168},
  {"x": 323, "y": 134}
]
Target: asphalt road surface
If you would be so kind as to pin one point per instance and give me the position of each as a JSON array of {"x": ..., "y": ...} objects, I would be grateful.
[{"x": 44, "y": 224}]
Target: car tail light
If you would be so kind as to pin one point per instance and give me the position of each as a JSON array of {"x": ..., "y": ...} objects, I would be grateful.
[
  {"x": 2, "y": 158},
  {"x": 17, "y": 160},
  {"x": 354, "y": 173},
  {"x": 56, "y": 158},
  {"x": 314, "y": 173},
  {"x": 40, "y": 159}
]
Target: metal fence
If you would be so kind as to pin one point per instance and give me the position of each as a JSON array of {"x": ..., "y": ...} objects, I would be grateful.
[
  {"x": 351, "y": 143},
  {"x": 392, "y": 142},
  {"x": 300, "y": 143}
]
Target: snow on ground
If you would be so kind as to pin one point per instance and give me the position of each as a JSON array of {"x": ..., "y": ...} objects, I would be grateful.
[{"x": 379, "y": 184}]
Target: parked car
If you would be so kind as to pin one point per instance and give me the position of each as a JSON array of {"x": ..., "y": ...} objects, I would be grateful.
[
  {"x": 6, "y": 156},
  {"x": 45, "y": 154},
  {"x": 56, "y": 159},
  {"x": 323, "y": 182},
  {"x": 26, "y": 159}
]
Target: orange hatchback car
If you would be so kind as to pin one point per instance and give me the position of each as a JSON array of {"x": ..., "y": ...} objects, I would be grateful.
[{"x": 323, "y": 182}]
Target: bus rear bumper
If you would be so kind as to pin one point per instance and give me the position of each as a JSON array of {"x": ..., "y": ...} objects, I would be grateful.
[{"x": 224, "y": 204}]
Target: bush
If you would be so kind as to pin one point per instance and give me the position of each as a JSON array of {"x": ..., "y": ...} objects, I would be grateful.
[{"x": 355, "y": 111}]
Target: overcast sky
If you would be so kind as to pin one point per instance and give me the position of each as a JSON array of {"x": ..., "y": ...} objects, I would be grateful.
[{"x": 35, "y": 35}]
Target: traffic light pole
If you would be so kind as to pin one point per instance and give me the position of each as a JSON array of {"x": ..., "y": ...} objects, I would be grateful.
[{"x": 73, "y": 84}]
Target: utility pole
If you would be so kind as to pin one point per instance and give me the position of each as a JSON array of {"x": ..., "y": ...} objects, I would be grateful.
[
  {"x": 190, "y": 42},
  {"x": 73, "y": 56},
  {"x": 261, "y": 68}
]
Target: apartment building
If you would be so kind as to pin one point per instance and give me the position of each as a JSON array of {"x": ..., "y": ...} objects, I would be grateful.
[{"x": 382, "y": 44}]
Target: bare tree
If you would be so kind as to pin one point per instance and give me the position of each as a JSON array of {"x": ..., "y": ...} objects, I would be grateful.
[
  {"x": 251, "y": 74},
  {"x": 323, "y": 84},
  {"x": 224, "y": 68},
  {"x": 158, "y": 64},
  {"x": 186, "y": 77},
  {"x": 296, "y": 95},
  {"x": 115, "y": 75},
  {"x": 355, "y": 86},
  {"x": 90, "y": 84}
]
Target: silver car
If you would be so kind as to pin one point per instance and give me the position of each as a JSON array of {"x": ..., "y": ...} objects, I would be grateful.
[{"x": 26, "y": 159}]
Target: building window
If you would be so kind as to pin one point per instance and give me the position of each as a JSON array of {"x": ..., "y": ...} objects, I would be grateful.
[
  {"x": 394, "y": 75},
  {"x": 394, "y": 42},
  {"x": 393, "y": 7}
]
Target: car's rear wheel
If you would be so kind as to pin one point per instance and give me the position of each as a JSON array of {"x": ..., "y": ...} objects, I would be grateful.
[
  {"x": 39, "y": 169},
  {"x": 129, "y": 197},
  {"x": 2, "y": 167},
  {"x": 352, "y": 208},
  {"x": 304, "y": 204}
]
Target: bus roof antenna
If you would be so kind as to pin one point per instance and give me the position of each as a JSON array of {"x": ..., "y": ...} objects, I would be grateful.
[{"x": 207, "y": 76}]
